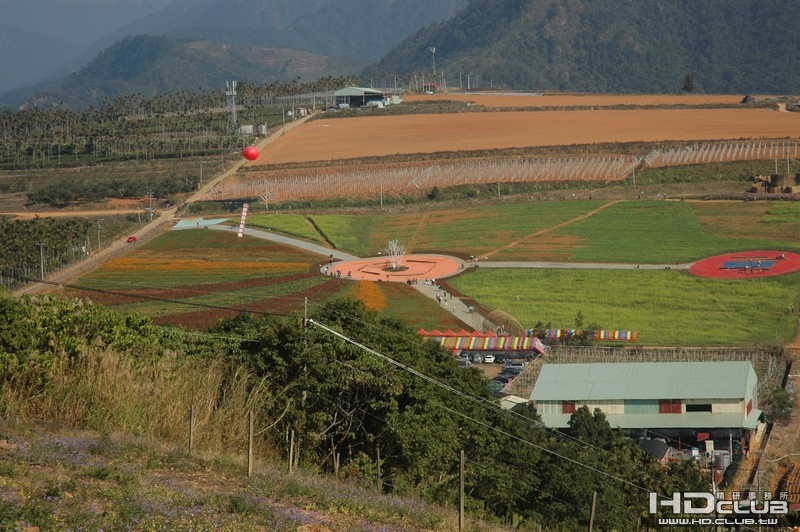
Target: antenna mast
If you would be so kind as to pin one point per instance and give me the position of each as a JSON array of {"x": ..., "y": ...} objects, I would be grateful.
[{"x": 230, "y": 92}]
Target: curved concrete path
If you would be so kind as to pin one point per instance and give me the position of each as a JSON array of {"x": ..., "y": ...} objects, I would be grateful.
[{"x": 452, "y": 304}]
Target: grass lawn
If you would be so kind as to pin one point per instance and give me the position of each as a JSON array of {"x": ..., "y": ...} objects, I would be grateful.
[
  {"x": 663, "y": 232},
  {"x": 666, "y": 307},
  {"x": 291, "y": 224},
  {"x": 216, "y": 269}
]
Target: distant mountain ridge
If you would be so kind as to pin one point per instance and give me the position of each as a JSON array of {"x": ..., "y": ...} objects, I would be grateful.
[
  {"x": 607, "y": 46},
  {"x": 646, "y": 46},
  {"x": 149, "y": 66},
  {"x": 350, "y": 33}
]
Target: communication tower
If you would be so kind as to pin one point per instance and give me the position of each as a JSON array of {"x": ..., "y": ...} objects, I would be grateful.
[{"x": 230, "y": 92}]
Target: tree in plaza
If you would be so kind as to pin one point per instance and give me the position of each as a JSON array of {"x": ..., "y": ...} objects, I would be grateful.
[{"x": 396, "y": 252}]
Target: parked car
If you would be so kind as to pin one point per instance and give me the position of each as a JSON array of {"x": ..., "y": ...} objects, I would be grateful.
[
  {"x": 505, "y": 378},
  {"x": 488, "y": 358},
  {"x": 500, "y": 359},
  {"x": 514, "y": 370},
  {"x": 476, "y": 358},
  {"x": 464, "y": 363},
  {"x": 515, "y": 364},
  {"x": 132, "y": 240},
  {"x": 496, "y": 387}
]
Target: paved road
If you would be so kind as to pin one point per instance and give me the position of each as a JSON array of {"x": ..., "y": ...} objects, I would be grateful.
[
  {"x": 289, "y": 241},
  {"x": 584, "y": 265}
]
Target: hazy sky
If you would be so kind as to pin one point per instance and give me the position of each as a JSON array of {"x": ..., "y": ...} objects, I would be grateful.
[{"x": 78, "y": 21}]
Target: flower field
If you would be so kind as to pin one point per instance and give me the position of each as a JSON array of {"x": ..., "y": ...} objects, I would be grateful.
[{"x": 195, "y": 277}]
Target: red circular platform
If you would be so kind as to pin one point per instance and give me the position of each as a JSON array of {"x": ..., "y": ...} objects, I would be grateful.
[
  {"x": 415, "y": 268},
  {"x": 747, "y": 264}
]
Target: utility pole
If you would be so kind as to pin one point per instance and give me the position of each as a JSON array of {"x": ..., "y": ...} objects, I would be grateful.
[
  {"x": 41, "y": 259},
  {"x": 230, "y": 92},
  {"x": 461, "y": 520},
  {"x": 150, "y": 196},
  {"x": 99, "y": 223}
]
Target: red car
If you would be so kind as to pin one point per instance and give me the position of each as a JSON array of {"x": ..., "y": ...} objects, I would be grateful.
[{"x": 132, "y": 240}]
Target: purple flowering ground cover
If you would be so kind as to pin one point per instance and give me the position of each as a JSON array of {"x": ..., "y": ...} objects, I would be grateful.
[{"x": 54, "y": 478}]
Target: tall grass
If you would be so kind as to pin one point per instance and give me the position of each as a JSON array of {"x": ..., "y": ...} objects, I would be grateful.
[{"x": 109, "y": 391}]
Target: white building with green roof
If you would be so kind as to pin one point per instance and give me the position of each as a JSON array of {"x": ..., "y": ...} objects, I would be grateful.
[{"x": 691, "y": 399}]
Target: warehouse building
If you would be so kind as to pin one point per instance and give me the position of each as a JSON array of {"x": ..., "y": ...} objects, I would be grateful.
[
  {"x": 358, "y": 97},
  {"x": 690, "y": 402}
]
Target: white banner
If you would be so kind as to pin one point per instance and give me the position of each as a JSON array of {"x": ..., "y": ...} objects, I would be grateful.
[{"x": 244, "y": 217}]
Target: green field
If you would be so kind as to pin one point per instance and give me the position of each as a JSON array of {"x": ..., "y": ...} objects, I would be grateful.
[
  {"x": 666, "y": 307},
  {"x": 202, "y": 269}
]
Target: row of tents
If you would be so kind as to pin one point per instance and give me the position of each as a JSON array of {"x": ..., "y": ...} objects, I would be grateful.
[{"x": 477, "y": 340}]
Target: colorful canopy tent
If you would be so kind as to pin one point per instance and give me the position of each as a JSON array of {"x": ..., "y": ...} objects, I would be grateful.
[{"x": 477, "y": 341}]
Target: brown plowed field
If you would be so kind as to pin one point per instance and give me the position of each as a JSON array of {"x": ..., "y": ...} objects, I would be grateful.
[
  {"x": 489, "y": 99},
  {"x": 373, "y": 136}
]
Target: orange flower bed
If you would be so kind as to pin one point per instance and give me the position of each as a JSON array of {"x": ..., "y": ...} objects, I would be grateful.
[
  {"x": 371, "y": 295},
  {"x": 133, "y": 263}
]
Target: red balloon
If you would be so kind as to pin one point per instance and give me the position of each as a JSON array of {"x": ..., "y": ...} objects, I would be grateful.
[{"x": 251, "y": 153}]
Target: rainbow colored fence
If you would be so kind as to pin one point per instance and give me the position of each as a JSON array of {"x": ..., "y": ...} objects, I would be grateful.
[
  {"x": 607, "y": 335},
  {"x": 630, "y": 336},
  {"x": 478, "y": 341},
  {"x": 490, "y": 341}
]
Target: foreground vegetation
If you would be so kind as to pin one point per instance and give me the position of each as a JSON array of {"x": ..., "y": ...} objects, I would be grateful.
[
  {"x": 395, "y": 416},
  {"x": 58, "y": 478}
]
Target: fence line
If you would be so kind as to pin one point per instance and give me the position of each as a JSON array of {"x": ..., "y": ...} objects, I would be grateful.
[
  {"x": 724, "y": 151},
  {"x": 419, "y": 179}
]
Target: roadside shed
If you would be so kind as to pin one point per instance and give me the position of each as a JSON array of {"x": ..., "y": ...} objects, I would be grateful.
[{"x": 358, "y": 96}]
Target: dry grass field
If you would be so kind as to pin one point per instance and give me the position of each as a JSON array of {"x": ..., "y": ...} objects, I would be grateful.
[
  {"x": 505, "y": 99},
  {"x": 375, "y": 136},
  {"x": 377, "y": 154}
]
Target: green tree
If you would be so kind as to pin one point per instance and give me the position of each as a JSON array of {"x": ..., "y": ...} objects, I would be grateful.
[
  {"x": 688, "y": 83},
  {"x": 778, "y": 404}
]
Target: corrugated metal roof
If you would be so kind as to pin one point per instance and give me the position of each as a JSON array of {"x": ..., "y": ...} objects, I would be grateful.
[
  {"x": 356, "y": 91},
  {"x": 644, "y": 380}
]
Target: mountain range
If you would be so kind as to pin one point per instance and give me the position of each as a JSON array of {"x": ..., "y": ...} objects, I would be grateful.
[
  {"x": 616, "y": 46},
  {"x": 624, "y": 46},
  {"x": 342, "y": 36}
]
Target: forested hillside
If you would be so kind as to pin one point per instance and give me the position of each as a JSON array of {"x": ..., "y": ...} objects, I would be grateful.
[
  {"x": 741, "y": 46},
  {"x": 364, "y": 29}
]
